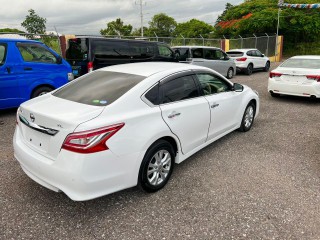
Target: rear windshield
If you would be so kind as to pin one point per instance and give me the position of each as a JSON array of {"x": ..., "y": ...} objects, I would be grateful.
[
  {"x": 99, "y": 88},
  {"x": 302, "y": 63},
  {"x": 77, "y": 49},
  {"x": 235, "y": 54}
]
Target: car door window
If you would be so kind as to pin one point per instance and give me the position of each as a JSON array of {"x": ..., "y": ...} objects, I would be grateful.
[
  {"x": 212, "y": 84},
  {"x": 258, "y": 53},
  {"x": 141, "y": 50},
  {"x": 3, "y": 51},
  {"x": 164, "y": 51},
  {"x": 183, "y": 53},
  {"x": 36, "y": 53},
  {"x": 178, "y": 89},
  {"x": 250, "y": 53},
  {"x": 209, "y": 54},
  {"x": 110, "y": 49},
  {"x": 197, "y": 52},
  {"x": 219, "y": 55}
]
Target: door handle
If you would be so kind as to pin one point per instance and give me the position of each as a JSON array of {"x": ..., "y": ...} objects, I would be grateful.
[
  {"x": 174, "y": 114},
  {"x": 214, "y": 105},
  {"x": 8, "y": 69},
  {"x": 28, "y": 68}
]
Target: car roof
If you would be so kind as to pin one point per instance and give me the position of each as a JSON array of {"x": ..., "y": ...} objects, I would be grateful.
[
  {"x": 241, "y": 49},
  {"x": 306, "y": 57},
  {"x": 18, "y": 40},
  {"x": 150, "y": 68},
  {"x": 195, "y": 47}
]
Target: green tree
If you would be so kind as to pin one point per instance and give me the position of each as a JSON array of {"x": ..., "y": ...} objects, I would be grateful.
[
  {"x": 162, "y": 25},
  {"x": 34, "y": 23},
  {"x": 117, "y": 27},
  {"x": 193, "y": 29},
  {"x": 222, "y": 16}
]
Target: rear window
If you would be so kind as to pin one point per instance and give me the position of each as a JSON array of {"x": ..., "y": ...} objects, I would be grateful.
[
  {"x": 183, "y": 53},
  {"x": 302, "y": 63},
  {"x": 99, "y": 88},
  {"x": 77, "y": 49},
  {"x": 235, "y": 54},
  {"x": 110, "y": 49}
]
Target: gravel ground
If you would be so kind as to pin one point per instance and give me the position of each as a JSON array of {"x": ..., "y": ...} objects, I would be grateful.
[{"x": 263, "y": 184}]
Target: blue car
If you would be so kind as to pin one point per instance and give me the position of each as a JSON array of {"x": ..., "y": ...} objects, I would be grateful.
[{"x": 29, "y": 69}]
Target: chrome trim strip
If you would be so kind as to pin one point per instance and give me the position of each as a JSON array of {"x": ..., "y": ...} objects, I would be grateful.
[{"x": 38, "y": 128}]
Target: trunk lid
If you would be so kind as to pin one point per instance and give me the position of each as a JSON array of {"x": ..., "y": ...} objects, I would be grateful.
[
  {"x": 46, "y": 121},
  {"x": 297, "y": 75}
]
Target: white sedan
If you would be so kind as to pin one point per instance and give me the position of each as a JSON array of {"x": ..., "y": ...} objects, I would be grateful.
[
  {"x": 127, "y": 125},
  {"x": 297, "y": 76}
]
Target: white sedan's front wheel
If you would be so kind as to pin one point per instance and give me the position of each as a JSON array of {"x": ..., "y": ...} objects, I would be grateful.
[{"x": 248, "y": 118}]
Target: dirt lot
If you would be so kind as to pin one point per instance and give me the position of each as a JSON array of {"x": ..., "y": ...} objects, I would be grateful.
[{"x": 263, "y": 184}]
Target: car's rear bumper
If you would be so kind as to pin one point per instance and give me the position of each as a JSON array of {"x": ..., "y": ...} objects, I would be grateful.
[
  {"x": 295, "y": 89},
  {"x": 80, "y": 176}
]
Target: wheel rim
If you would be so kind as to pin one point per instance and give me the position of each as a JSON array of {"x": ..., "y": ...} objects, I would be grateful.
[
  {"x": 159, "y": 167},
  {"x": 248, "y": 118},
  {"x": 249, "y": 69},
  {"x": 230, "y": 73}
]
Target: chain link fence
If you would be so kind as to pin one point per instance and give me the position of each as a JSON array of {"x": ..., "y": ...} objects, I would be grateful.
[
  {"x": 50, "y": 40},
  {"x": 266, "y": 44}
]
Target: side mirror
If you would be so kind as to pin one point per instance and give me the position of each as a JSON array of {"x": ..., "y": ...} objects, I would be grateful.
[
  {"x": 226, "y": 58},
  {"x": 262, "y": 55},
  {"x": 237, "y": 87}
]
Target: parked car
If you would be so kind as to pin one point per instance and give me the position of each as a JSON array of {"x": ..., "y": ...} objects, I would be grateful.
[
  {"x": 297, "y": 76},
  {"x": 249, "y": 60},
  {"x": 125, "y": 125},
  {"x": 29, "y": 69},
  {"x": 86, "y": 54},
  {"x": 210, "y": 57}
]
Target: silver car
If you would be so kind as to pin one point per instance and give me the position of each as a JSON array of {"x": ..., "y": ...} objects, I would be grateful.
[{"x": 210, "y": 57}]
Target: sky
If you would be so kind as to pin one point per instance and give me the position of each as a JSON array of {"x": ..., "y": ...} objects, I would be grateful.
[{"x": 89, "y": 16}]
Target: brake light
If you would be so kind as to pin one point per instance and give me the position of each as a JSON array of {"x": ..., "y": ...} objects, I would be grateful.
[
  {"x": 241, "y": 59},
  {"x": 314, "y": 77},
  {"x": 274, "y": 74},
  {"x": 90, "y": 66},
  {"x": 90, "y": 141}
]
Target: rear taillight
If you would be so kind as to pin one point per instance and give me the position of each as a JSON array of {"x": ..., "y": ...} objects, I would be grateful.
[
  {"x": 314, "y": 77},
  {"x": 90, "y": 66},
  {"x": 241, "y": 59},
  {"x": 274, "y": 74},
  {"x": 90, "y": 141}
]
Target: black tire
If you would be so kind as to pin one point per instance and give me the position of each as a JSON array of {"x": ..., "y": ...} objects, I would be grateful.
[
  {"x": 267, "y": 67},
  {"x": 149, "y": 163},
  {"x": 230, "y": 73},
  {"x": 248, "y": 117},
  {"x": 249, "y": 69},
  {"x": 40, "y": 91},
  {"x": 275, "y": 95}
]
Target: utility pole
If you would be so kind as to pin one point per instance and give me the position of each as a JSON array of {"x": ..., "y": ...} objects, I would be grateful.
[{"x": 141, "y": 3}]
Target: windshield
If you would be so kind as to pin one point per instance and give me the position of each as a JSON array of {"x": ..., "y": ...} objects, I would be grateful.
[
  {"x": 301, "y": 63},
  {"x": 99, "y": 88}
]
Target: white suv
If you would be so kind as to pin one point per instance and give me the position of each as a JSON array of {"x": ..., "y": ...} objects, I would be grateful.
[{"x": 249, "y": 60}]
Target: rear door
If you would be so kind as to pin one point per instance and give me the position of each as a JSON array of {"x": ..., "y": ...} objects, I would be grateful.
[
  {"x": 185, "y": 112},
  {"x": 224, "y": 103}
]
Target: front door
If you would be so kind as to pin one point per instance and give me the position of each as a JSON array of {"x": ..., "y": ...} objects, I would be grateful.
[
  {"x": 223, "y": 103},
  {"x": 185, "y": 112}
]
